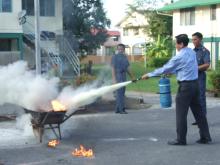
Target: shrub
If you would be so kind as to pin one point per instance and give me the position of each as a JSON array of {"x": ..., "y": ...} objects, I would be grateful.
[
  {"x": 214, "y": 79},
  {"x": 161, "y": 48},
  {"x": 84, "y": 78},
  {"x": 159, "y": 52},
  {"x": 157, "y": 62}
]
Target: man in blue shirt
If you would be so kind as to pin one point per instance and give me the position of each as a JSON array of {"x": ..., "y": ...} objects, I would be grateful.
[
  {"x": 184, "y": 64},
  {"x": 120, "y": 67},
  {"x": 203, "y": 59}
]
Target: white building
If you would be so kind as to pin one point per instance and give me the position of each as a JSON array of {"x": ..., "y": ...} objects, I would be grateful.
[
  {"x": 109, "y": 46},
  {"x": 11, "y": 32},
  {"x": 17, "y": 33},
  {"x": 198, "y": 16},
  {"x": 133, "y": 34}
]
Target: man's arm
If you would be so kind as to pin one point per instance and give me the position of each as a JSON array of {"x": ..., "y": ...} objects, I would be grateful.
[
  {"x": 130, "y": 73},
  {"x": 113, "y": 69},
  {"x": 206, "y": 60},
  {"x": 204, "y": 67},
  {"x": 168, "y": 68},
  {"x": 113, "y": 75}
]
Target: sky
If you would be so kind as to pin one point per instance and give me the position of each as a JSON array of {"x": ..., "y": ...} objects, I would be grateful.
[{"x": 116, "y": 10}]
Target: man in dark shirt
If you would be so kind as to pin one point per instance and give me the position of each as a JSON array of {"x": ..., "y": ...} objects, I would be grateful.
[
  {"x": 203, "y": 60},
  {"x": 120, "y": 67}
]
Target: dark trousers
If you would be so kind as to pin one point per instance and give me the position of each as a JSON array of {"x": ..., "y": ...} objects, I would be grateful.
[
  {"x": 188, "y": 96},
  {"x": 202, "y": 91},
  {"x": 120, "y": 99}
]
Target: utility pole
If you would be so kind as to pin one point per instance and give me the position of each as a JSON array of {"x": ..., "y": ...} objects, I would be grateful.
[{"x": 37, "y": 37}]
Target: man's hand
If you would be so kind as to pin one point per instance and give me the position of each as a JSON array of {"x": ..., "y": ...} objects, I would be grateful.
[
  {"x": 144, "y": 77},
  {"x": 134, "y": 80},
  {"x": 114, "y": 81},
  {"x": 204, "y": 67}
]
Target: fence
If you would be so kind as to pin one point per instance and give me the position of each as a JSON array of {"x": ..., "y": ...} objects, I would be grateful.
[{"x": 107, "y": 59}]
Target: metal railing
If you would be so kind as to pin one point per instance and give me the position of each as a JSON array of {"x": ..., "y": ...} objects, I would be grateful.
[
  {"x": 70, "y": 54},
  {"x": 49, "y": 51},
  {"x": 7, "y": 57},
  {"x": 54, "y": 56}
]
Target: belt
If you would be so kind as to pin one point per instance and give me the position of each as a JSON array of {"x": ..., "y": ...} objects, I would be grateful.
[
  {"x": 187, "y": 81},
  {"x": 201, "y": 72}
]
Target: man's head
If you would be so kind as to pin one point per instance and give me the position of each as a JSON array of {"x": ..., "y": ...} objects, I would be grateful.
[
  {"x": 182, "y": 41},
  {"x": 121, "y": 48},
  {"x": 197, "y": 39}
]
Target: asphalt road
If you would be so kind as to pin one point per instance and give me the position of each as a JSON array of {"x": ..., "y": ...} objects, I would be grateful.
[{"x": 138, "y": 138}]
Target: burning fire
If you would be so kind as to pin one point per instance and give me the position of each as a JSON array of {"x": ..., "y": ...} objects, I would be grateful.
[
  {"x": 53, "y": 143},
  {"x": 57, "y": 106},
  {"x": 82, "y": 152}
]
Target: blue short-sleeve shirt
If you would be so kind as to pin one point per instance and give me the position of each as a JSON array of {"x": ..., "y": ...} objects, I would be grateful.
[
  {"x": 120, "y": 63},
  {"x": 202, "y": 55}
]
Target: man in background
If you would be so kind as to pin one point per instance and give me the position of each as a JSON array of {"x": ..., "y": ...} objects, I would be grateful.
[
  {"x": 203, "y": 60},
  {"x": 120, "y": 67}
]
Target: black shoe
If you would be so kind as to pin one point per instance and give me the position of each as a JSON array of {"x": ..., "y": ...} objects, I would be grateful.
[
  {"x": 204, "y": 141},
  {"x": 195, "y": 123},
  {"x": 123, "y": 112},
  {"x": 117, "y": 112},
  {"x": 176, "y": 142}
]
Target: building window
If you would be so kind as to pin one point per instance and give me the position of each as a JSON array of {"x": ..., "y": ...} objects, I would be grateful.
[
  {"x": 136, "y": 31},
  {"x": 125, "y": 32},
  {"x": 28, "y": 5},
  {"x": 47, "y": 7},
  {"x": 109, "y": 51},
  {"x": 5, "y": 45},
  {"x": 213, "y": 12},
  {"x": 5, "y": 6},
  {"x": 187, "y": 16},
  {"x": 115, "y": 38}
]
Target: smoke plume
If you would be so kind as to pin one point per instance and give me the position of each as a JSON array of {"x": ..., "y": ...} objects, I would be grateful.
[
  {"x": 73, "y": 99},
  {"x": 20, "y": 86}
]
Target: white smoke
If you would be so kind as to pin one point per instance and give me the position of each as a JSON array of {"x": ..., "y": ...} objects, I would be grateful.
[
  {"x": 20, "y": 86},
  {"x": 74, "y": 99},
  {"x": 19, "y": 134},
  {"x": 23, "y": 123}
]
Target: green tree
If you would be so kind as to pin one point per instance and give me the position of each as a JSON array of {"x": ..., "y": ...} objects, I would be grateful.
[
  {"x": 87, "y": 21},
  {"x": 159, "y": 52},
  {"x": 159, "y": 28},
  {"x": 158, "y": 25},
  {"x": 159, "y": 48}
]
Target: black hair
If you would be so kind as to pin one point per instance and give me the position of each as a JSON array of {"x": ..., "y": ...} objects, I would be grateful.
[
  {"x": 121, "y": 45},
  {"x": 198, "y": 34},
  {"x": 182, "y": 38}
]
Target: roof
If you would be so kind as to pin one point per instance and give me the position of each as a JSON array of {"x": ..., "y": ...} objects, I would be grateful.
[
  {"x": 122, "y": 20},
  {"x": 129, "y": 15},
  {"x": 113, "y": 33},
  {"x": 111, "y": 43},
  {"x": 187, "y": 4}
]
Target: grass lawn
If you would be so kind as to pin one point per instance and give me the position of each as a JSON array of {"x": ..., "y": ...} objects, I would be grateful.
[{"x": 149, "y": 85}]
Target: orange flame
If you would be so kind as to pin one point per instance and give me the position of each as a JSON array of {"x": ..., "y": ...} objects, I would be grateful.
[
  {"x": 53, "y": 143},
  {"x": 57, "y": 106},
  {"x": 82, "y": 152}
]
